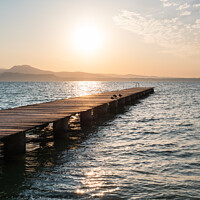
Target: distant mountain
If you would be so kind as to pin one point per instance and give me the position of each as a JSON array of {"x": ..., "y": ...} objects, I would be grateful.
[
  {"x": 2, "y": 70},
  {"x": 10, "y": 76},
  {"x": 28, "y": 73},
  {"x": 129, "y": 76},
  {"x": 27, "y": 69},
  {"x": 83, "y": 75}
]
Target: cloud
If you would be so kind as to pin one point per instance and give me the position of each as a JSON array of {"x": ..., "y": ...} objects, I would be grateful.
[
  {"x": 196, "y": 5},
  {"x": 168, "y": 4},
  {"x": 185, "y": 13},
  {"x": 172, "y": 34},
  {"x": 184, "y": 6},
  {"x": 197, "y": 24},
  {"x": 197, "y": 21}
]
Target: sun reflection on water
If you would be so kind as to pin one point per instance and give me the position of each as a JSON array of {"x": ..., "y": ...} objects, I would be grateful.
[
  {"x": 96, "y": 184},
  {"x": 87, "y": 87}
]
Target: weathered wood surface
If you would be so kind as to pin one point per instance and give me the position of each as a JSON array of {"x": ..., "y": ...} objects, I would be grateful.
[{"x": 23, "y": 118}]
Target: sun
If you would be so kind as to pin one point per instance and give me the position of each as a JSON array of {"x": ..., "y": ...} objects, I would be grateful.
[{"x": 88, "y": 38}]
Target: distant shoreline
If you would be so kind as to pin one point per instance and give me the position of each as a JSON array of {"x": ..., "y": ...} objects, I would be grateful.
[
  {"x": 26, "y": 73},
  {"x": 110, "y": 80}
]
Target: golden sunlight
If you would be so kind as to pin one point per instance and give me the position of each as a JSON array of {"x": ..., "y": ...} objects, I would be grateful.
[{"x": 88, "y": 38}]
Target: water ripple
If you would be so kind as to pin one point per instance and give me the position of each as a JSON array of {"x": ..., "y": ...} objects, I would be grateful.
[{"x": 150, "y": 151}]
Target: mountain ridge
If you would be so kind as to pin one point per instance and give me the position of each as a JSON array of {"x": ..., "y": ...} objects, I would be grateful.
[
  {"x": 63, "y": 75},
  {"x": 27, "y": 69},
  {"x": 29, "y": 73}
]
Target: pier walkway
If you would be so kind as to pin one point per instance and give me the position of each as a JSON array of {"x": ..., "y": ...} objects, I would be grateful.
[{"x": 16, "y": 121}]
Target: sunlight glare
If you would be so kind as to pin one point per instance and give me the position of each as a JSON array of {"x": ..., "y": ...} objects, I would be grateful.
[
  {"x": 95, "y": 183},
  {"x": 88, "y": 38}
]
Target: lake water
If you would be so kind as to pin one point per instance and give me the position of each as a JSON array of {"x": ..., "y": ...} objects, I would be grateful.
[{"x": 150, "y": 150}]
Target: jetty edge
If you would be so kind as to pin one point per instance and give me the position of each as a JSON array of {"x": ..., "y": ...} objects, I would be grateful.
[{"x": 15, "y": 122}]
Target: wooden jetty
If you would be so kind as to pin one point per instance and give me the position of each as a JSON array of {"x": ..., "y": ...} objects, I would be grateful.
[{"x": 16, "y": 122}]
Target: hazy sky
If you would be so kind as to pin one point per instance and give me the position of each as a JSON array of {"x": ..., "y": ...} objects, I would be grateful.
[{"x": 144, "y": 37}]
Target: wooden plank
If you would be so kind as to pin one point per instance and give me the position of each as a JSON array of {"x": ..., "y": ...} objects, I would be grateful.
[
  {"x": 23, "y": 118},
  {"x": 48, "y": 110}
]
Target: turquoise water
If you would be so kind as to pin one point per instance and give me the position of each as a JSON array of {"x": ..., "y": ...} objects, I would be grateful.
[{"x": 147, "y": 151}]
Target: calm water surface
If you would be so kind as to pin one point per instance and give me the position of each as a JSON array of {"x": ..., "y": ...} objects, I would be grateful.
[{"x": 150, "y": 150}]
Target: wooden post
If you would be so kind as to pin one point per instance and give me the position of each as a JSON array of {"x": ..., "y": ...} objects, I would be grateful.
[
  {"x": 121, "y": 102},
  {"x": 100, "y": 110},
  {"x": 137, "y": 96},
  {"x": 145, "y": 93},
  {"x": 103, "y": 109},
  {"x": 128, "y": 100},
  {"x": 133, "y": 98},
  {"x": 151, "y": 91},
  {"x": 15, "y": 146},
  {"x": 61, "y": 128},
  {"x": 113, "y": 105},
  {"x": 95, "y": 112},
  {"x": 86, "y": 117}
]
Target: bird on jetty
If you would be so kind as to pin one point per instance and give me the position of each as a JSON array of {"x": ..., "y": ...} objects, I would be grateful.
[{"x": 114, "y": 96}]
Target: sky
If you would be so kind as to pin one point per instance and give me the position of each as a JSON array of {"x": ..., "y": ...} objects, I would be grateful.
[{"x": 142, "y": 37}]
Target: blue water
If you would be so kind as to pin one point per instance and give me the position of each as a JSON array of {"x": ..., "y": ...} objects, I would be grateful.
[{"x": 150, "y": 150}]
